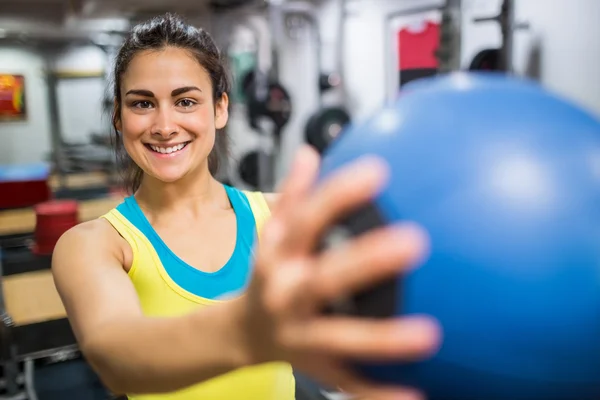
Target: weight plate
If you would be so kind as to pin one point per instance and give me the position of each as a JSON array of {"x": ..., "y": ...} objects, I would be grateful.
[{"x": 323, "y": 127}]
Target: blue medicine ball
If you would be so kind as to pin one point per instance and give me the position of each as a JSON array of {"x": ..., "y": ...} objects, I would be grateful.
[{"x": 505, "y": 177}]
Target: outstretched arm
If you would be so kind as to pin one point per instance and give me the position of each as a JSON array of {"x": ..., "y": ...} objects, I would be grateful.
[{"x": 133, "y": 353}]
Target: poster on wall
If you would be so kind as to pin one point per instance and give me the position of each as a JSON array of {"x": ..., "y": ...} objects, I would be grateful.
[
  {"x": 12, "y": 98},
  {"x": 416, "y": 38}
]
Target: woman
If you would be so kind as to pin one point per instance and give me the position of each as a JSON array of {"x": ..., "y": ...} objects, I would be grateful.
[{"x": 158, "y": 290}]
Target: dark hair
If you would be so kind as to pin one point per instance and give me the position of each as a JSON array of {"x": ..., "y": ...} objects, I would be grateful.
[{"x": 169, "y": 30}]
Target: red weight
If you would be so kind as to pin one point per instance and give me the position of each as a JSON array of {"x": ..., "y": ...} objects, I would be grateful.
[{"x": 53, "y": 218}]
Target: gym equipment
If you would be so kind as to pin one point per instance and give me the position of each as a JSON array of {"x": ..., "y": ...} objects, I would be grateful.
[
  {"x": 71, "y": 379},
  {"x": 487, "y": 60},
  {"x": 504, "y": 177},
  {"x": 248, "y": 167},
  {"x": 53, "y": 218},
  {"x": 267, "y": 99},
  {"x": 325, "y": 126},
  {"x": 329, "y": 81},
  {"x": 508, "y": 26},
  {"x": 24, "y": 185},
  {"x": 448, "y": 52}
]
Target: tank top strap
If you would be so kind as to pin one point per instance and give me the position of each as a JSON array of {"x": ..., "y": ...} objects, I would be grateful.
[
  {"x": 131, "y": 234},
  {"x": 122, "y": 225},
  {"x": 260, "y": 209}
]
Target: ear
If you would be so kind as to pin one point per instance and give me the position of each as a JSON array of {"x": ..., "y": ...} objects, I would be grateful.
[
  {"x": 221, "y": 111},
  {"x": 117, "y": 117}
]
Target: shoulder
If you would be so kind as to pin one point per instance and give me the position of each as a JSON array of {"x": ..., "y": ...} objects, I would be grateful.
[
  {"x": 88, "y": 239},
  {"x": 89, "y": 230}
]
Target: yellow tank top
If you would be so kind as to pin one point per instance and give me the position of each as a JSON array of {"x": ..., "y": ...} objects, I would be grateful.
[{"x": 160, "y": 295}]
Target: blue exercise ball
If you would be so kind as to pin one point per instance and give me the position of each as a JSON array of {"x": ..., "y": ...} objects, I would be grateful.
[{"x": 505, "y": 177}]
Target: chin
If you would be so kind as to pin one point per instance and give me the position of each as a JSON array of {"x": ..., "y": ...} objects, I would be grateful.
[{"x": 169, "y": 175}]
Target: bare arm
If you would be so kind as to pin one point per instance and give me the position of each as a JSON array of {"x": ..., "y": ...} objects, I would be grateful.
[{"x": 133, "y": 353}]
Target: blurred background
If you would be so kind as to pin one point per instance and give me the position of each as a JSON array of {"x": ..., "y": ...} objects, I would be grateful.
[{"x": 302, "y": 69}]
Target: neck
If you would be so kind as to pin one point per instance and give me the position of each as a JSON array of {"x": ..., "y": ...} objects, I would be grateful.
[{"x": 193, "y": 192}]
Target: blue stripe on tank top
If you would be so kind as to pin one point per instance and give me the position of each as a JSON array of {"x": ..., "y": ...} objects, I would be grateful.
[{"x": 231, "y": 279}]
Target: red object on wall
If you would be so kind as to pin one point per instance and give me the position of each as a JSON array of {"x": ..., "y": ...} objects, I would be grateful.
[
  {"x": 53, "y": 218},
  {"x": 417, "y": 47}
]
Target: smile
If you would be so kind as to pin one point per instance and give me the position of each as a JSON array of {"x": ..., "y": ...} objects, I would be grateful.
[{"x": 167, "y": 150}]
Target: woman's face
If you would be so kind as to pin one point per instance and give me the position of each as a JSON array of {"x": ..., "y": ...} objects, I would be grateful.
[{"x": 168, "y": 119}]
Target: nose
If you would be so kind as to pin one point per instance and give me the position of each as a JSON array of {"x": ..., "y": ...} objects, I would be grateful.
[{"x": 165, "y": 124}]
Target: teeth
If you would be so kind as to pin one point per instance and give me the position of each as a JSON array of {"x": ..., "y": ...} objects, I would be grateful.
[{"x": 168, "y": 150}]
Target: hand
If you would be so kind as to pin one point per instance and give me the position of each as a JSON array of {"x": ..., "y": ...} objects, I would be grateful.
[{"x": 293, "y": 281}]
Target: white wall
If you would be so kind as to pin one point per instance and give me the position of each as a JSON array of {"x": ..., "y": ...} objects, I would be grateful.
[
  {"x": 80, "y": 59},
  {"x": 80, "y": 99},
  {"x": 568, "y": 33},
  {"x": 26, "y": 141}
]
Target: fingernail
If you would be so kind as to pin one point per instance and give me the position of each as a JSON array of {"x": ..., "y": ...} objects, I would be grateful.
[
  {"x": 425, "y": 330},
  {"x": 372, "y": 164},
  {"x": 415, "y": 238}
]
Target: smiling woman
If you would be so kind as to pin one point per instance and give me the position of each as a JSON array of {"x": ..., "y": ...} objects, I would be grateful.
[
  {"x": 178, "y": 293},
  {"x": 151, "y": 80}
]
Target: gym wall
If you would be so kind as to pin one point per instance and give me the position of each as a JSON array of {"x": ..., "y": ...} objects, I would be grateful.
[
  {"x": 567, "y": 31},
  {"x": 79, "y": 101},
  {"x": 564, "y": 35},
  {"x": 26, "y": 141}
]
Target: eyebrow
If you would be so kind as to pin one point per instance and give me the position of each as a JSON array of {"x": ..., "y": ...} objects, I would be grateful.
[{"x": 176, "y": 92}]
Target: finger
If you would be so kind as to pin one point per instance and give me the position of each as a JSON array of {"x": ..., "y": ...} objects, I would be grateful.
[
  {"x": 330, "y": 373},
  {"x": 368, "y": 259},
  {"x": 408, "y": 338},
  {"x": 288, "y": 292},
  {"x": 298, "y": 182},
  {"x": 344, "y": 191},
  {"x": 301, "y": 177}
]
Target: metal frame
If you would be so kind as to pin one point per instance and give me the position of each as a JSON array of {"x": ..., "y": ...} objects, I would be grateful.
[{"x": 9, "y": 359}]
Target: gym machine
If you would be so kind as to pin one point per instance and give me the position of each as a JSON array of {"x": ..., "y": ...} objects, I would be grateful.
[
  {"x": 268, "y": 105},
  {"x": 267, "y": 100},
  {"x": 500, "y": 59},
  {"x": 449, "y": 50},
  {"x": 327, "y": 123}
]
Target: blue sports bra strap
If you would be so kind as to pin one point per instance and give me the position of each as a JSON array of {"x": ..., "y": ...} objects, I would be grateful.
[{"x": 245, "y": 218}]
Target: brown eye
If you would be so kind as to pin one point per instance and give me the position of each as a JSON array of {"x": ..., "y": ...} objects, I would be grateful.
[
  {"x": 142, "y": 104},
  {"x": 186, "y": 103}
]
